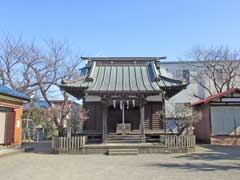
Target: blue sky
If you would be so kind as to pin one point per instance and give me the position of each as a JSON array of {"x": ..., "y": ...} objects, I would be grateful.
[{"x": 124, "y": 27}]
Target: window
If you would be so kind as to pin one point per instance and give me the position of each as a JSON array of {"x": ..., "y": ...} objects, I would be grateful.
[
  {"x": 219, "y": 75},
  {"x": 201, "y": 90},
  {"x": 186, "y": 75},
  {"x": 182, "y": 106},
  {"x": 179, "y": 74},
  {"x": 183, "y": 75}
]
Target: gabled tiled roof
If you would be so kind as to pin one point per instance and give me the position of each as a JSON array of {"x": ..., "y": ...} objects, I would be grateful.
[
  {"x": 13, "y": 93},
  {"x": 127, "y": 78},
  {"x": 124, "y": 77},
  {"x": 213, "y": 97}
]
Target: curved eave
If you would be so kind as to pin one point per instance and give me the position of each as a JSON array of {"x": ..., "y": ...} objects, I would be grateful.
[
  {"x": 173, "y": 90},
  {"x": 171, "y": 86},
  {"x": 175, "y": 81},
  {"x": 78, "y": 92}
]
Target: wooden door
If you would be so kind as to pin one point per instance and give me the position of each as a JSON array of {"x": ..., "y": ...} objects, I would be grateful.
[
  {"x": 3, "y": 116},
  {"x": 157, "y": 123},
  {"x": 153, "y": 120},
  {"x": 10, "y": 127}
]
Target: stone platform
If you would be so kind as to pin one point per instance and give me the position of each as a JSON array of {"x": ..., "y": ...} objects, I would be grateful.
[{"x": 143, "y": 148}]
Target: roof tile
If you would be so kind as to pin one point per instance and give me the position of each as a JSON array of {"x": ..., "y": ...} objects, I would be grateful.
[{"x": 11, "y": 92}]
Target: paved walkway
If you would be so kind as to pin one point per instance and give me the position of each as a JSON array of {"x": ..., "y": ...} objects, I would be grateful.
[
  {"x": 8, "y": 152},
  {"x": 211, "y": 163}
]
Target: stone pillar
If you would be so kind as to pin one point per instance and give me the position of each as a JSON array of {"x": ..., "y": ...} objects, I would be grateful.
[{"x": 142, "y": 122}]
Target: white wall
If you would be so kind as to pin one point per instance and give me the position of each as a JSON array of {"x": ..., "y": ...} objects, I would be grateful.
[{"x": 187, "y": 95}]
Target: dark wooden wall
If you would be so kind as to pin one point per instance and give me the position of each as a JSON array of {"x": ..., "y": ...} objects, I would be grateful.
[
  {"x": 95, "y": 116},
  {"x": 153, "y": 119},
  {"x": 132, "y": 116},
  {"x": 114, "y": 117}
]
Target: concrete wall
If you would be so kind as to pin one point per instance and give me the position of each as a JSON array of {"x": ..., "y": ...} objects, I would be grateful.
[
  {"x": 187, "y": 95},
  {"x": 226, "y": 140},
  {"x": 203, "y": 127}
]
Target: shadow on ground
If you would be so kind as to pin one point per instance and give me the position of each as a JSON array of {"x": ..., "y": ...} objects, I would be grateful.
[
  {"x": 43, "y": 147},
  {"x": 214, "y": 153},
  {"x": 197, "y": 166},
  {"x": 206, "y": 159}
]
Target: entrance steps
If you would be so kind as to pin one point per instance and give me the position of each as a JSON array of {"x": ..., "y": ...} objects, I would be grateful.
[
  {"x": 123, "y": 139},
  {"x": 122, "y": 152}
]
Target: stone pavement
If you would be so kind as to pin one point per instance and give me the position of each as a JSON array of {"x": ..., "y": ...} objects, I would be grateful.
[
  {"x": 7, "y": 152},
  {"x": 209, "y": 163}
]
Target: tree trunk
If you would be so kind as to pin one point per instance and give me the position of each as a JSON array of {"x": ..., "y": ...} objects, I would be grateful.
[{"x": 60, "y": 131}]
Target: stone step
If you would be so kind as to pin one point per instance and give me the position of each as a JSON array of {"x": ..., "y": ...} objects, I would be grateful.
[
  {"x": 124, "y": 136},
  {"x": 119, "y": 138},
  {"x": 123, "y": 139},
  {"x": 122, "y": 151}
]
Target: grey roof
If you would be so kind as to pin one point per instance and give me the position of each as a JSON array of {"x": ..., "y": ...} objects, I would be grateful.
[
  {"x": 123, "y": 78},
  {"x": 11, "y": 92}
]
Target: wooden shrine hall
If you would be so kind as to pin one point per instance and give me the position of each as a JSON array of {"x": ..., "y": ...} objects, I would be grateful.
[{"x": 124, "y": 96}]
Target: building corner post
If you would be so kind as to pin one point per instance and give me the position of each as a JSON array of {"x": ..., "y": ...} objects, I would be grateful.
[
  {"x": 104, "y": 123},
  {"x": 143, "y": 139}
]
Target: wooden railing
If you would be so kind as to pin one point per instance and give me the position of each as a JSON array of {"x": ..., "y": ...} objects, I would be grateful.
[
  {"x": 169, "y": 141},
  {"x": 68, "y": 143},
  {"x": 182, "y": 141}
]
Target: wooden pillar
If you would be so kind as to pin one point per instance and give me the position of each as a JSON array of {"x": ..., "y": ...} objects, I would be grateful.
[
  {"x": 164, "y": 113},
  {"x": 123, "y": 114},
  {"x": 104, "y": 123},
  {"x": 142, "y": 122}
]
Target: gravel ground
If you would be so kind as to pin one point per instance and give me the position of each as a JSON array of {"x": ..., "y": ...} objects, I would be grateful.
[{"x": 209, "y": 163}]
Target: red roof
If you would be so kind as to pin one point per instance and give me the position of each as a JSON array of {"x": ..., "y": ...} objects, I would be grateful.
[{"x": 212, "y": 97}]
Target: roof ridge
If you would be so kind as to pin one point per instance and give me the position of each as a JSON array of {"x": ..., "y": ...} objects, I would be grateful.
[
  {"x": 141, "y": 58},
  {"x": 217, "y": 95}
]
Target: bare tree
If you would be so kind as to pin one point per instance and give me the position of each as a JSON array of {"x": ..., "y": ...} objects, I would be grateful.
[
  {"x": 220, "y": 66},
  {"x": 183, "y": 118},
  {"x": 49, "y": 70},
  {"x": 32, "y": 70},
  {"x": 12, "y": 54}
]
